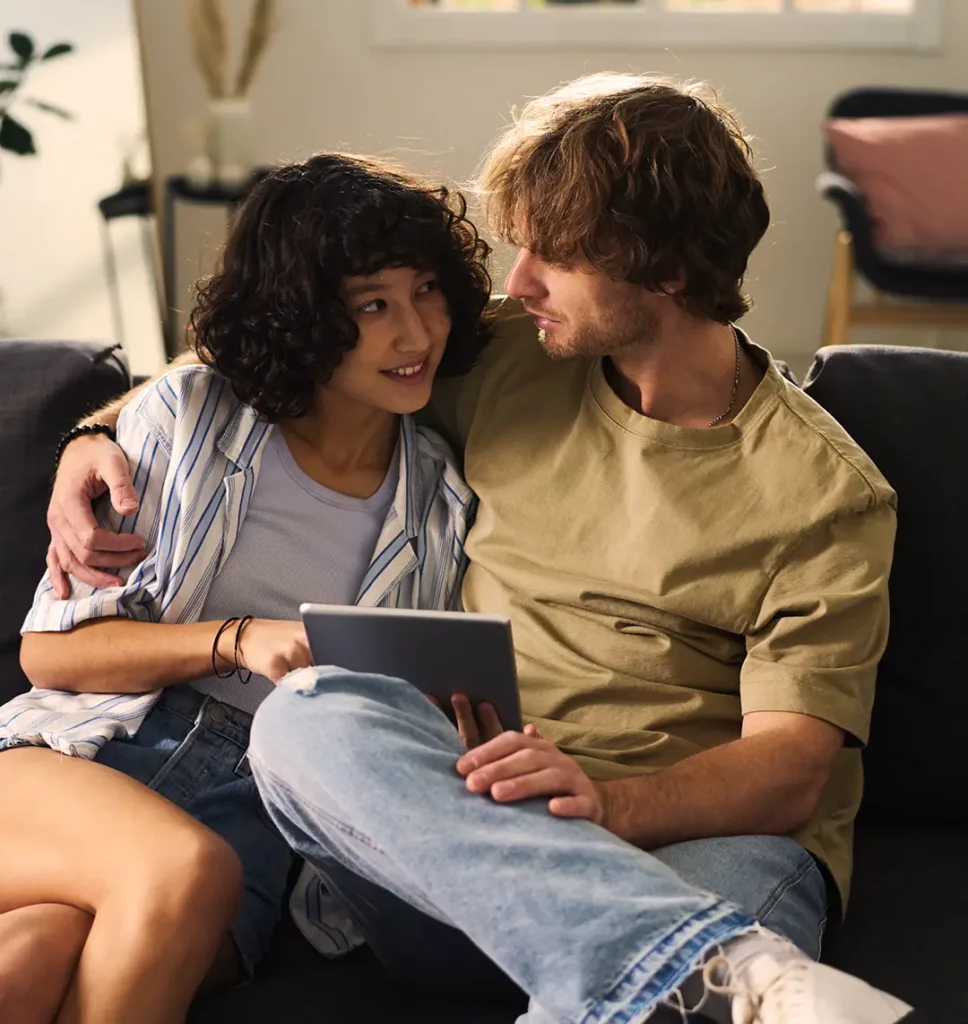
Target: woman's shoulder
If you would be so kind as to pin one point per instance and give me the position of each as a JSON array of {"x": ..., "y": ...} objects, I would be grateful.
[
  {"x": 439, "y": 462},
  {"x": 179, "y": 385}
]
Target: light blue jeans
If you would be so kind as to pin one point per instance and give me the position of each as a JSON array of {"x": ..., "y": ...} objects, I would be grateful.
[{"x": 359, "y": 769}]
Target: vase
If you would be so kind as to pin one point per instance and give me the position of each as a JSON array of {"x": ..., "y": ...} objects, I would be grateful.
[{"x": 230, "y": 141}]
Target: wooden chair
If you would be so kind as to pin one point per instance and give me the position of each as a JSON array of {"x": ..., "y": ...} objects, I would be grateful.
[{"x": 940, "y": 289}]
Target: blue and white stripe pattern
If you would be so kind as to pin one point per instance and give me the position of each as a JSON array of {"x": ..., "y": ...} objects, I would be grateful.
[{"x": 195, "y": 452}]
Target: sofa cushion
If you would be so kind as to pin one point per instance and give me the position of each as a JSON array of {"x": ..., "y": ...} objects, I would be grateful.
[
  {"x": 45, "y": 388},
  {"x": 907, "y": 408},
  {"x": 903, "y": 929}
]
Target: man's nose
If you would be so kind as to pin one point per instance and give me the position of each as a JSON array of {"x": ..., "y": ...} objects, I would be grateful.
[{"x": 522, "y": 282}]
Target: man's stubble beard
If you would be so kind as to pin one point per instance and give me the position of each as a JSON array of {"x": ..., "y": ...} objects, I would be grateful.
[{"x": 620, "y": 330}]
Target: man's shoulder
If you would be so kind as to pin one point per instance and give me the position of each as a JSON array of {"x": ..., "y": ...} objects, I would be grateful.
[
  {"x": 827, "y": 456},
  {"x": 513, "y": 360}
]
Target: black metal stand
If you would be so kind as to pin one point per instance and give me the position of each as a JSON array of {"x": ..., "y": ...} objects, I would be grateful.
[
  {"x": 133, "y": 200},
  {"x": 179, "y": 188}
]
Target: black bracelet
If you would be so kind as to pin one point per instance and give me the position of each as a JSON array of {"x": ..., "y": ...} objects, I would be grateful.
[
  {"x": 72, "y": 435},
  {"x": 243, "y": 622},
  {"x": 218, "y": 636}
]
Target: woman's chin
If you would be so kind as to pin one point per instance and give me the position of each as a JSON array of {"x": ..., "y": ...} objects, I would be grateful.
[{"x": 407, "y": 398}]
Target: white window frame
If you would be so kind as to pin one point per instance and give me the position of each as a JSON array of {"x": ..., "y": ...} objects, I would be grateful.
[{"x": 650, "y": 27}]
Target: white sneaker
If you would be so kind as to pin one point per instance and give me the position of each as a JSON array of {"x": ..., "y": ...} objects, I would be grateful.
[{"x": 769, "y": 981}]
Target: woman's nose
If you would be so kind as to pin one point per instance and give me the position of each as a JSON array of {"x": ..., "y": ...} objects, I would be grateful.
[{"x": 415, "y": 334}]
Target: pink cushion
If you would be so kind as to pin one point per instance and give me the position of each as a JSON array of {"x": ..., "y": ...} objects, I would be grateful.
[{"x": 913, "y": 172}]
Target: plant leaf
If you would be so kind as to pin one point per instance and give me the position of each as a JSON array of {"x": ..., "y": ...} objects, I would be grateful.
[
  {"x": 49, "y": 108},
  {"x": 15, "y": 138},
  {"x": 57, "y": 51},
  {"x": 7, "y": 86},
  {"x": 22, "y": 45}
]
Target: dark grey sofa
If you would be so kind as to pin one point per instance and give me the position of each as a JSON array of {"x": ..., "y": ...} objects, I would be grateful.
[{"x": 909, "y": 409}]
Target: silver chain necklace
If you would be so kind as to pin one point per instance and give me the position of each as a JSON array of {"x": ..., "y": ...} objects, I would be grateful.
[{"x": 732, "y": 401}]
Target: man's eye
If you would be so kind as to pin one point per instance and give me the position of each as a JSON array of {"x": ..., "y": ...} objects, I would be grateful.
[{"x": 373, "y": 306}]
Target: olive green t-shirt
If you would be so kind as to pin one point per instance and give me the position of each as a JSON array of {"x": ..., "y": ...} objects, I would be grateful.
[{"x": 664, "y": 581}]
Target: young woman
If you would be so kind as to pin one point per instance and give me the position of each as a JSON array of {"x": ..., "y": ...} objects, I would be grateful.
[{"x": 286, "y": 469}]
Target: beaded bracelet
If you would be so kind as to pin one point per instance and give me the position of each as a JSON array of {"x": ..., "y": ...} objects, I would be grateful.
[{"x": 72, "y": 435}]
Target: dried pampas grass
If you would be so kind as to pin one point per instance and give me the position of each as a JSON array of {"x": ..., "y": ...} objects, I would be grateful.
[
  {"x": 210, "y": 41},
  {"x": 261, "y": 28}
]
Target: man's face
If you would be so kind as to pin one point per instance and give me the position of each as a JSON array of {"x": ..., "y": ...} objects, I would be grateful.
[{"x": 581, "y": 311}]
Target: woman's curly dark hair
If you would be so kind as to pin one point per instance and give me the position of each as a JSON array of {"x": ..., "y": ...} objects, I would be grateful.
[{"x": 271, "y": 320}]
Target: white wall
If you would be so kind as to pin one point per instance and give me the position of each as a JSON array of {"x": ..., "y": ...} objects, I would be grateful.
[
  {"x": 325, "y": 86},
  {"x": 52, "y": 280}
]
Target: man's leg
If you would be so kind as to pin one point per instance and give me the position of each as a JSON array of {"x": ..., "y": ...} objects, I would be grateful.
[
  {"x": 362, "y": 769},
  {"x": 772, "y": 878},
  {"x": 415, "y": 949}
]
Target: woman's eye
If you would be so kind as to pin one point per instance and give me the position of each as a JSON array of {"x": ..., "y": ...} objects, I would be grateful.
[
  {"x": 429, "y": 286},
  {"x": 373, "y": 306}
]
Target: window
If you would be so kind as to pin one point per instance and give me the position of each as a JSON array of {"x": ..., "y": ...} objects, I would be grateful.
[{"x": 651, "y": 24}]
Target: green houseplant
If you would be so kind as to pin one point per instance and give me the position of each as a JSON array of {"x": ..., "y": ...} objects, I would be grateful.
[{"x": 16, "y": 137}]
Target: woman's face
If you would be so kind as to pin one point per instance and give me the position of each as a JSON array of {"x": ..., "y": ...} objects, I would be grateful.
[{"x": 404, "y": 324}]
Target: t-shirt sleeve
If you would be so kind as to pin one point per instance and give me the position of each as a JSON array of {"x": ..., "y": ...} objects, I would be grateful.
[{"x": 822, "y": 625}]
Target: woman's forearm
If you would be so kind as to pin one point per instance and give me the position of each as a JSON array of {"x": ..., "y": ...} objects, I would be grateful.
[{"x": 123, "y": 656}]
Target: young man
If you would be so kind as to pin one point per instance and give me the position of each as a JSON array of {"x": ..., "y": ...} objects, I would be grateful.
[{"x": 694, "y": 557}]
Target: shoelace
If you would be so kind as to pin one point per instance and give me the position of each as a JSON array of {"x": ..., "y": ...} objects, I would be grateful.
[{"x": 784, "y": 994}]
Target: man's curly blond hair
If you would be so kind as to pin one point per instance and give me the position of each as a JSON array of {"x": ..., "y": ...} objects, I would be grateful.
[{"x": 651, "y": 181}]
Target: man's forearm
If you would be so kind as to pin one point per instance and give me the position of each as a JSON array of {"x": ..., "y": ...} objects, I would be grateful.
[
  {"x": 750, "y": 787},
  {"x": 108, "y": 414}
]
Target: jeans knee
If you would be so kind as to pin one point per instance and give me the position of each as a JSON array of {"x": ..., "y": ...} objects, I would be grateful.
[
  {"x": 278, "y": 727},
  {"x": 323, "y": 708}
]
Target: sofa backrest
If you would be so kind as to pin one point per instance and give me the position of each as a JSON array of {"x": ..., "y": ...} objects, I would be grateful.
[
  {"x": 908, "y": 408},
  {"x": 45, "y": 388}
]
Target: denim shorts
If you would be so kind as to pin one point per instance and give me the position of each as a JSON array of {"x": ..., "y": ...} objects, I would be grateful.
[{"x": 191, "y": 749}]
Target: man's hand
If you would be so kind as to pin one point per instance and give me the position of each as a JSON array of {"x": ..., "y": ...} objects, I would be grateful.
[
  {"x": 520, "y": 766},
  {"x": 89, "y": 467},
  {"x": 475, "y": 726}
]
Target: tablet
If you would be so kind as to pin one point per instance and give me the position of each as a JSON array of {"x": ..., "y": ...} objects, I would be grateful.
[{"x": 440, "y": 653}]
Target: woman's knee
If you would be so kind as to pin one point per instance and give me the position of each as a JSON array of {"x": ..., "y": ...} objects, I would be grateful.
[
  {"x": 40, "y": 946},
  {"x": 189, "y": 874}
]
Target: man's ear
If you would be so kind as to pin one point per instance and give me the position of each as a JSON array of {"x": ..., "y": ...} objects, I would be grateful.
[{"x": 674, "y": 285}]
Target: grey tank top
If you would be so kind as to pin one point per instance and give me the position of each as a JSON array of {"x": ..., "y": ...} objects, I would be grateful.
[{"x": 299, "y": 541}]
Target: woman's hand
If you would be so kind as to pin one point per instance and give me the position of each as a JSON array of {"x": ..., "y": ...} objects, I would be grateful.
[
  {"x": 268, "y": 647},
  {"x": 520, "y": 766},
  {"x": 89, "y": 467}
]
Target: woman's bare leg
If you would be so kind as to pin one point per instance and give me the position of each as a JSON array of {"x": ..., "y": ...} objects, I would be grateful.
[
  {"x": 39, "y": 949},
  {"x": 163, "y": 889}
]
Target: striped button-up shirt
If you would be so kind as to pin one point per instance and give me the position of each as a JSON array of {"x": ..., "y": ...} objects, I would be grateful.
[{"x": 195, "y": 452}]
